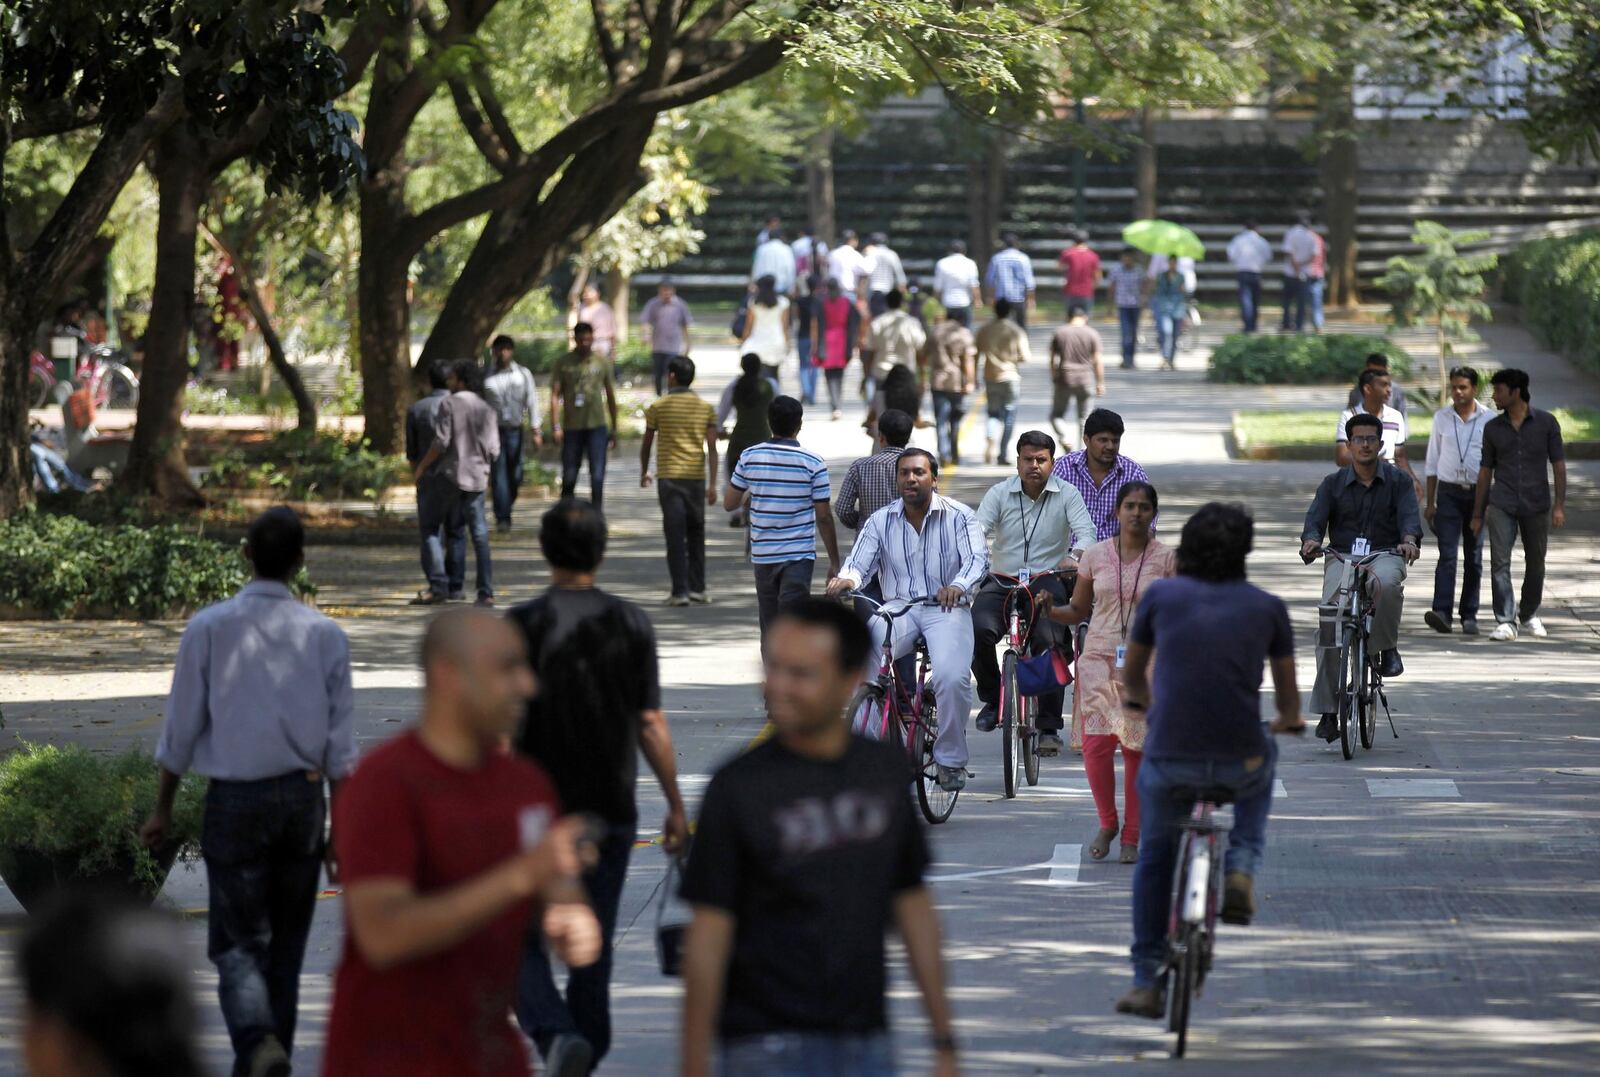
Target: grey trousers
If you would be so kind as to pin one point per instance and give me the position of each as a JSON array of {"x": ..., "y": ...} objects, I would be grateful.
[
  {"x": 1503, "y": 529},
  {"x": 1391, "y": 572}
]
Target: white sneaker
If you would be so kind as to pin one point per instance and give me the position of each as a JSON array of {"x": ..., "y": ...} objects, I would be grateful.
[
  {"x": 676, "y": 600},
  {"x": 1503, "y": 632},
  {"x": 1535, "y": 628}
]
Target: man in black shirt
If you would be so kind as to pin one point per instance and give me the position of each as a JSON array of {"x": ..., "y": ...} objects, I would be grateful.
[
  {"x": 599, "y": 704},
  {"x": 1368, "y": 506},
  {"x": 806, "y": 853}
]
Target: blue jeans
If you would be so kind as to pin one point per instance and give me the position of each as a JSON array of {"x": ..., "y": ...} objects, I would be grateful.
[
  {"x": 444, "y": 548},
  {"x": 778, "y": 586},
  {"x": 1168, "y": 326},
  {"x": 1454, "y": 504},
  {"x": 1158, "y": 840},
  {"x": 1311, "y": 296},
  {"x": 808, "y": 1054},
  {"x": 47, "y": 463},
  {"x": 1294, "y": 311},
  {"x": 948, "y": 411},
  {"x": 575, "y": 445},
  {"x": 263, "y": 847},
  {"x": 467, "y": 518},
  {"x": 586, "y": 1010},
  {"x": 1249, "y": 299},
  {"x": 808, "y": 373},
  {"x": 506, "y": 475},
  {"x": 1001, "y": 406},
  {"x": 658, "y": 367},
  {"x": 1129, "y": 319}
]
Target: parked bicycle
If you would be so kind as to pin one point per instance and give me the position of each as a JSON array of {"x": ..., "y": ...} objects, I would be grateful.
[
  {"x": 1019, "y": 713},
  {"x": 888, "y": 709},
  {"x": 111, "y": 382},
  {"x": 1346, "y": 623},
  {"x": 1196, "y": 899}
]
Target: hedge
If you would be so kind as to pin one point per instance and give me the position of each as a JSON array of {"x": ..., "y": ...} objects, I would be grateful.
[
  {"x": 309, "y": 465},
  {"x": 1301, "y": 359},
  {"x": 1556, "y": 282}
]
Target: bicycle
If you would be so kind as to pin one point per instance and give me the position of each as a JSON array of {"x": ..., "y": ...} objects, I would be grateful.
[
  {"x": 882, "y": 708},
  {"x": 1019, "y": 730},
  {"x": 111, "y": 383},
  {"x": 1196, "y": 899},
  {"x": 1348, "y": 620}
]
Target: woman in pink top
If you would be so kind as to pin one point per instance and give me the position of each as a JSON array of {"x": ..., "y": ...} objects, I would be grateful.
[
  {"x": 600, "y": 316},
  {"x": 1112, "y": 576},
  {"x": 834, "y": 352}
]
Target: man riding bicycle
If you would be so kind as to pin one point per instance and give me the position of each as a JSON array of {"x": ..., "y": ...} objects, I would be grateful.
[
  {"x": 1035, "y": 522},
  {"x": 1214, "y": 631},
  {"x": 925, "y": 544},
  {"x": 1368, "y": 506}
]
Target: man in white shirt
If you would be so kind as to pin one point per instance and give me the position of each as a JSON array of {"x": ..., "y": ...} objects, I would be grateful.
[
  {"x": 1374, "y": 386},
  {"x": 956, "y": 283},
  {"x": 775, "y": 259},
  {"x": 1455, "y": 450},
  {"x": 510, "y": 391},
  {"x": 884, "y": 273},
  {"x": 1250, "y": 254},
  {"x": 894, "y": 339},
  {"x": 1299, "y": 251}
]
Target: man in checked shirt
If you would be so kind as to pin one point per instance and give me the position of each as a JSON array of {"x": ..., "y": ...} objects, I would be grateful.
[
  {"x": 1099, "y": 469},
  {"x": 869, "y": 485}
]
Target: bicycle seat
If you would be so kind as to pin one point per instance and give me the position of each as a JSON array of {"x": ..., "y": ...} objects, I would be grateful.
[{"x": 1186, "y": 795}]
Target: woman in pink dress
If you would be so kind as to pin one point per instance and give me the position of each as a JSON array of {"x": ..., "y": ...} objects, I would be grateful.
[
  {"x": 835, "y": 350},
  {"x": 1112, "y": 576}
]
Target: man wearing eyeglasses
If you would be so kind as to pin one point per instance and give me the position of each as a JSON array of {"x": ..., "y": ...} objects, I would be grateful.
[{"x": 1366, "y": 506}]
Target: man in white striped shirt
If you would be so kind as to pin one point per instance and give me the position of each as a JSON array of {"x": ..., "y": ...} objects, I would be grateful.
[{"x": 926, "y": 545}]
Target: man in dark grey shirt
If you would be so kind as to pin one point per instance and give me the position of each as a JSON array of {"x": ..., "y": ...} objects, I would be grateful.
[
  {"x": 444, "y": 552},
  {"x": 466, "y": 440},
  {"x": 1517, "y": 445}
]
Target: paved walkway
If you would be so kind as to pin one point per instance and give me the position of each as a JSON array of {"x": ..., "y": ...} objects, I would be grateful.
[{"x": 1431, "y": 905}]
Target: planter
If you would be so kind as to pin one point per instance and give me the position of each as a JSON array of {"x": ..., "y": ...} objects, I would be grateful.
[{"x": 34, "y": 877}]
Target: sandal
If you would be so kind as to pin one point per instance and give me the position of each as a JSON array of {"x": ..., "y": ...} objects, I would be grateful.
[
  {"x": 1101, "y": 845},
  {"x": 1130, "y": 853}
]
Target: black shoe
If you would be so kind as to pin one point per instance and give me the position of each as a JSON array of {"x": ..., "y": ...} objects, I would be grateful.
[
  {"x": 1328, "y": 728},
  {"x": 458, "y": 596},
  {"x": 1148, "y": 1002},
  {"x": 428, "y": 598},
  {"x": 1238, "y": 898},
  {"x": 1469, "y": 626},
  {"x": 1437, "y": 621},
  {"x": 1389, "y": 664},
  {"x": 988, "y": 717}
]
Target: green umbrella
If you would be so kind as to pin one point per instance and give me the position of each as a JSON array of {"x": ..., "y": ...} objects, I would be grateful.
[{"x": 1155, "y": 236}]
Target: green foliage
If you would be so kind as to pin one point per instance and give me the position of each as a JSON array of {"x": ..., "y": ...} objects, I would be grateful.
[
  {"x": 1557, "y": 283},
  {"x": 1319, "y": 359},
  {"x": 61, "y": 566},
  {"x": 305, "y": 466},
  {"x": 539, "y": 354},
  {"x": 66, "y": 799},
  {"x": 1442, "y": 288}
]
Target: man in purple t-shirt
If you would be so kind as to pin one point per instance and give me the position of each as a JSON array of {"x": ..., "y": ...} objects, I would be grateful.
[{"x": 666, "y": 324}]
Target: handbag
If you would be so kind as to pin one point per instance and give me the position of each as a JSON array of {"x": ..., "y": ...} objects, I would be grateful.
[
  {"x": 671, "y": 933},
  {"x": 1044, "y": 673}
]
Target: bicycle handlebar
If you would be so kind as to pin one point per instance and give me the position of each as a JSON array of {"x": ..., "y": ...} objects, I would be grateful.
[
  {"x": 880, "y": 606},
  {"x": 1015, "y": 583},
  {"x": 1349, "y": 559}
]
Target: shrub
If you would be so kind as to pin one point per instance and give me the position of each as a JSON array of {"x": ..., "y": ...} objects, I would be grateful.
[
  {"x": 66, "y": 799},
  {"x": 1321, "y": 359},
  {"x": 1557, "y": 284},
  {"x": 304, "y": 466},
  {"x": 61, "y": 566},
  {"x": 539, "y": 354}
]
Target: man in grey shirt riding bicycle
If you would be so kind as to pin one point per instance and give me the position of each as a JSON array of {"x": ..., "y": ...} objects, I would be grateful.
[{"x": 1369, "y": 506}]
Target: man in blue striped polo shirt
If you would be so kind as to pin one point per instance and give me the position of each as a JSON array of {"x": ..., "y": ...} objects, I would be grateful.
[{"x": 788, "y": 493}]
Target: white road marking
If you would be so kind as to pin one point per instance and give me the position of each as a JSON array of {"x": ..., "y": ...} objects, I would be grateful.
[
  {"x": 1412, "y": 787},
  {"x": 1278, "y": 791},
  {"x": 1064, "y": 865}
]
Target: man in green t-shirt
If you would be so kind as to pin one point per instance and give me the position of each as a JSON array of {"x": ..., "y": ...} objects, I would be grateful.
[{"x": 576, "y": 385}]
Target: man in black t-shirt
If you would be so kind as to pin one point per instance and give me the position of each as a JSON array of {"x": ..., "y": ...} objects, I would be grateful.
[
  {"x": 599, "y": 704},
  {"x": 806, "y": 853}
]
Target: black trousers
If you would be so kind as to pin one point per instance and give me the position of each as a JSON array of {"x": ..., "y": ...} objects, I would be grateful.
[
  {"x": 683, "y": 520},
  {"x": 989, "y": 627}
]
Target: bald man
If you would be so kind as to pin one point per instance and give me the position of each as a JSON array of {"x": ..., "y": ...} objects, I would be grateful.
[{"x": 447, "y": 845}]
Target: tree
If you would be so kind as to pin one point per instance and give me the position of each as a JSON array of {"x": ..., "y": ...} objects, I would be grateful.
[{"x": 1442, "y": 288}]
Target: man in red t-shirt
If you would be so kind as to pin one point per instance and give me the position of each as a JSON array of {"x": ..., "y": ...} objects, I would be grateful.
[
  {"x": 1082, "y": 268},
  {"x": 445, "y": 844}
]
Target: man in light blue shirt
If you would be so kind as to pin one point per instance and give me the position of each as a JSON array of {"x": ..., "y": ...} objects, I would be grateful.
[
  {"x": 926, "y": 545},
  {"x": 1035, "y": 522},
  {"x": 1010, "y": 277},
  {"x": 775, "y": 259},
  {"x": 262, "y": 705}
]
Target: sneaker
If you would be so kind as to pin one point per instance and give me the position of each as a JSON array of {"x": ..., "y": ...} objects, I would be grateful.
[
  {"x": 1328, "y": 728},
  {"x": 1535, "y": 628},
  {"x": 1469, "y": 626},
  {"x": 269, "y": 1059},
  {"x": 485, "y": 602},
  {"x": 1148, "y": 1002},
  {"x": 502, "y": 525},
  {"x": 676, "y": 600},
  {"x": 1049, "y": 744},
  {"x": 427, "y": 598},
  {"x": 570, "y": 1056},
  {"x": 1437, "y": 621},
  {"x": 952, "y": 779},
  {"x": 699, "y": 598},
  {"x": 458, "y": 596},
  {"x": 1503, "y": 632},
  {"x": 988, "y": 718},
  {"x": 1238, "y": 898}
]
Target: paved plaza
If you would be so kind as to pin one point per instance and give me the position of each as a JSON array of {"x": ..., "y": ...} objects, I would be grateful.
[{"x": 1431, "y": 906}]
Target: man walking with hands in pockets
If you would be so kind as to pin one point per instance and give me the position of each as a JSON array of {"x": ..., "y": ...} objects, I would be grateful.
[{"x": 1455, "y": 448}]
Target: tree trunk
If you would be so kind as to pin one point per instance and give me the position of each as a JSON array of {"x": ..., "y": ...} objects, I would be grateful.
[
  {"x": 820, "y": 205},
  {"x": 986, "y": 196},
  {"x": 255, "y": 301},
  {"x": 618, "y": 293},
  {"x": 1338, "y": 161},
  {"x": 1144, "y": 167},
  {"x": 19, "y": 318},
  {"x": 156, "y": 466}
]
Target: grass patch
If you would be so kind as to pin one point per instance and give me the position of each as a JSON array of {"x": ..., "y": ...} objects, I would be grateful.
[{"x": 1293, "y": 429}]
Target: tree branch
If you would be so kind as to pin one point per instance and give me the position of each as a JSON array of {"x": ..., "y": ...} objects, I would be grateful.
[
  {"x": 756, "y": 58},
  {"x": 603, "y": 39},
  {"x": 56, "y": 118},
  {"x": 484, "y": 86},
  {"x": 417, "y": 229},
  {"x": 477, "y": 127}
]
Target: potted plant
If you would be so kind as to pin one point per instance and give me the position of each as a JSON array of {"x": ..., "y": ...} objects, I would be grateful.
[{"x": 69, "y": 818}]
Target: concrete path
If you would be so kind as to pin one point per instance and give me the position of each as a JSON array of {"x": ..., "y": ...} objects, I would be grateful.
[{"x": 1431, "y": 905}]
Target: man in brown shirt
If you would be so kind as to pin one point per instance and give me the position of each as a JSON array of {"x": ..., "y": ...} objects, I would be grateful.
[
  {"x": 466, "y": 440},
  {"x": 1076, "y": 372},
  {"x": 949, "y": 366}
]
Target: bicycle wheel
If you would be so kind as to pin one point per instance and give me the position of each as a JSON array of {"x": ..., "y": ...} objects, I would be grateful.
[
  {"x": 1350, "y": 659},
  {"x": 1185, "y": 976},
  {"x": 1030, "y": 742},
  {"x": 1009, "y": 706},
  {"x": 1367, "y": 706},
  {"x": 937, "y": 804},
  {"x": 38, "y": 390},
  {"x": 116, "y": 387},
  {"x": 867, "y": 713}
]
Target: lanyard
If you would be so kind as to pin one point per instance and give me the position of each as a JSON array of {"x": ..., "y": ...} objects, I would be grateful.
[
  {"x": 1122, "y": 613},
  {"x": 1027, "y": 532},
  {"x": 1455, "y": 430}
]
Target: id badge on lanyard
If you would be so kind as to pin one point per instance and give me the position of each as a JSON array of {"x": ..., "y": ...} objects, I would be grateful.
[
  {"x": 1360, "y": 547},
  {"x": 1122, "y": 655},
  {"x": 1023, "y": 576}
]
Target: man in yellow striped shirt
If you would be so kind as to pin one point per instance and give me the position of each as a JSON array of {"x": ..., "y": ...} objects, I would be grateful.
[{"x": 686, "y": 464}]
